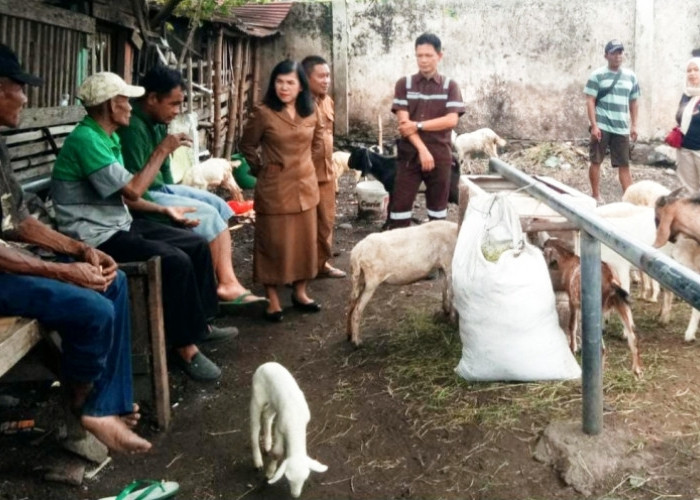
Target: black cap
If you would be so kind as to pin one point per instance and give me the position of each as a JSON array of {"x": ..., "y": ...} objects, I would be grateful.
[
  {"x": 613, "y": 46},
  {"x": 10, "y": 68}
]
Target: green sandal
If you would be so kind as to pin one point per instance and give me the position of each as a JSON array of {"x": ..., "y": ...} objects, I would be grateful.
[
  {"x": 239, "y": 304},
  {"x": 153, "y": 490}
]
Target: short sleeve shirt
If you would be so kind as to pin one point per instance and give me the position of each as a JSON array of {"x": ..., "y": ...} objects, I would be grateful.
[
  {"x": 12, "y": 207},
  {"x": 87, "y": 179},
  {"x": 139, "y": 140},
  {"x": 612, "y": 112},
  {"x": 425, "y": 99}
]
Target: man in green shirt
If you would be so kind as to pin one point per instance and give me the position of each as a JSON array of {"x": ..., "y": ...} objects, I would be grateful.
[
  {"x": 90, "y": 187},
  {"x": 147, "y": 128}
]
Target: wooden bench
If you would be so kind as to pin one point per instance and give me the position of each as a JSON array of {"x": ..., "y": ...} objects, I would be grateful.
[
  {"x": 19, "y": 335},
  {"x": 34, "y": 145}
]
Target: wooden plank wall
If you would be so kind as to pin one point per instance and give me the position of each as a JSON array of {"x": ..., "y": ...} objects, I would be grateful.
[{"x": 51, "y": 52}]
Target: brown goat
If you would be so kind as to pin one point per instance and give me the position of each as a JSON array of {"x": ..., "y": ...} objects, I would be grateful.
[
  {"x": 677, "y": 214},
  {"x": 614, "y": 297}
]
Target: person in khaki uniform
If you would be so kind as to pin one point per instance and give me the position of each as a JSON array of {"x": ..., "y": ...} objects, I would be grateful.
[
  {"x": 286, "y": 129},
  {"x": 319, "y": 75}
]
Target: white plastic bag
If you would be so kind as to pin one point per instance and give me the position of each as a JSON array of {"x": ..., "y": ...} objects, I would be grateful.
[{"x": 502, "y": 291}]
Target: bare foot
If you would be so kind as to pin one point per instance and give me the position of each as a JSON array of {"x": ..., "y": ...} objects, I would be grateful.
[
  {"x": 115, "y": 434},
  {"x": 131, "y": 419}
]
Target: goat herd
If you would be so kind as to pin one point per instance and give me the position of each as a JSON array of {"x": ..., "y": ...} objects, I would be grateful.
[{"x": 403, "y": 256}]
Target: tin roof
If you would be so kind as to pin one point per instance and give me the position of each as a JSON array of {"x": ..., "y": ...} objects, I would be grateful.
[{"x": 259, "y": 20}]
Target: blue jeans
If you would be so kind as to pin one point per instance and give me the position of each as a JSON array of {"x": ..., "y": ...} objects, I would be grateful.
[
  {"x": 213, "y": 212},
  {"x": 95, "y": 332}
]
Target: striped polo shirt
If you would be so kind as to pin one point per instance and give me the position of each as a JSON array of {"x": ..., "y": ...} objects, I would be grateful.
[
  {"x": 86, "y": 182},
  {"x": 613, "y": 110},
  {"x": 425, "y": 99}
]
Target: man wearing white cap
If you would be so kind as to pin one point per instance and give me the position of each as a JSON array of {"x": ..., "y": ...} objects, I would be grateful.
[{"x": 89, "y": 184}]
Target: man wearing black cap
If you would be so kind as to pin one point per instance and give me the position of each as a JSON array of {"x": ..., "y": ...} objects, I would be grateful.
[
  {"x": 611, "y": 105},
  {"x": 82, "y": 295}
]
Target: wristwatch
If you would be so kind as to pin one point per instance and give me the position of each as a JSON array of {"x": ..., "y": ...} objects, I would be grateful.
[{"x": 419, "y": 125}]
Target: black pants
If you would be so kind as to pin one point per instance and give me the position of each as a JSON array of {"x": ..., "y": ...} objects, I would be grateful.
[{"x": 189, "y": 285}]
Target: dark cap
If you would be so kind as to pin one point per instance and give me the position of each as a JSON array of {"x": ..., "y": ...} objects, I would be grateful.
[
  {"x": 613, "y": 46},
  {"x": 10, "y": 68}
]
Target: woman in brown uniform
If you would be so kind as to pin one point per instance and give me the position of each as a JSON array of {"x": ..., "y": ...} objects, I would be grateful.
[{"x": 285, "y": 128}]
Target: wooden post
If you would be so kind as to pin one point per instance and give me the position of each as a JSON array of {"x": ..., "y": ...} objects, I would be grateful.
[
  {"x": 218, "y": 55},
  {"x": 256, "y": 71},
  {"x": 190, "y": 88},
  {"x": 231, "y": 122},
  {"x": 161, "y": 388},
  {"x": 244, "y": 85}
]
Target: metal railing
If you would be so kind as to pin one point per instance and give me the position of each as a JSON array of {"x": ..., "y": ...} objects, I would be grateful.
[{"x": 595, "y": 230}]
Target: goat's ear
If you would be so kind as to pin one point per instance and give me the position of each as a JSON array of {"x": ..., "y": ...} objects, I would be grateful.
[
  {"x": 676, "y": 192},
  {"x": 278, "y": 473},
  {"x": 316, "y": 466}
]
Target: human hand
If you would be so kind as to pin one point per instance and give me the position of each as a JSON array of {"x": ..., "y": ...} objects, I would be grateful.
[
  {"x": 177, "y": 215},
  {"x": 596, "y": 134},
  {"x": 407, "y": 128},
  {"x": 174, "y": 141},
  {"x": 633, "y": 133},
  {"x": 102, "y": 261},
  {"x": 427, "y": 162},
  {"x": 82, "y": 274}
]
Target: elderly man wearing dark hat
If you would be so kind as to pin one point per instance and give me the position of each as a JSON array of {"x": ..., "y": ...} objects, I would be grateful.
[
  {"x": 85, "y": 299},
  {"x": 611, "y": 104},
  {"x": 90, "y": 184}
]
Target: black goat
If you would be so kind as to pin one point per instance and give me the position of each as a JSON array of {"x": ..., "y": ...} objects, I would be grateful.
[{"x": 383, "y": 168}]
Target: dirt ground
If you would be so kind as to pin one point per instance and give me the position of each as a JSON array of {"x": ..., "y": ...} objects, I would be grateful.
[{"x": 368, "y": 425}]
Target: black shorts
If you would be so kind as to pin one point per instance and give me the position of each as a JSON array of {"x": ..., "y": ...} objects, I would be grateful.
[{"x": 619, "y": 149}]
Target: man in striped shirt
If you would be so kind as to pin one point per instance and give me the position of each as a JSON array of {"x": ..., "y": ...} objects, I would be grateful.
[
  {"x": 611, "y": 105},
  {"x": 428, "y": 106}
]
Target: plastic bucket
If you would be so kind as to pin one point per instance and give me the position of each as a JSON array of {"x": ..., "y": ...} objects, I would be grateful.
[
  {"x": 372, "y": 200},
  {"x": 241, "y": 174}
]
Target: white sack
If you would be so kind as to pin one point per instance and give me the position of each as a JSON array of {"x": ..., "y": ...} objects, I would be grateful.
[{"x": 507, "y": 315}]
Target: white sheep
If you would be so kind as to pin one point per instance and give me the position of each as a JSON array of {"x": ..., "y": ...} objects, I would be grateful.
[
  {"x": 277, "y": 397},
  {"x": 483, "y": 140},
  {"x": 214, "y": 172},
  {"x": 399, "y": 257},
  {"x": 340, "y": 167}
]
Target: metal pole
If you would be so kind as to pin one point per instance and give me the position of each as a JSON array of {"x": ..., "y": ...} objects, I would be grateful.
[{"x": 591, "y": 338}]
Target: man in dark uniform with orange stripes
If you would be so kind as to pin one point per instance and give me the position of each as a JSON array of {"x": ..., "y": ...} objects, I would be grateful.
[{"x": 428, "y": 106}]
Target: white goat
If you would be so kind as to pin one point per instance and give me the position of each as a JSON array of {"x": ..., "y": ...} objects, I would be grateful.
[
  {"x": 483, "y": 140},
  {"x": 687, "y": 252},
  {"x": 645, "y": 193},
  {"x": 340, "y": 167},
  {"x": 400, "y": 257},
  {"x": 214, "y": 172},
  {"x": 276, "y": 396}
]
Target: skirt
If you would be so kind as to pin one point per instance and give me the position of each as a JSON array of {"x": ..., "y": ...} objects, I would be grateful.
[{"x": 285, "y": 248}]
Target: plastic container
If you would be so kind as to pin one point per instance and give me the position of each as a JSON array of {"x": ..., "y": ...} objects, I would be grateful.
[
  {"x": 372, "y": 200},
  {"x": 242, "y": 173},
  {"x": 241, "y": 207}
]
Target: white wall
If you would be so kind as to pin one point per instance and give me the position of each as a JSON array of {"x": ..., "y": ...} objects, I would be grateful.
[{"x": 521, "y": 64}]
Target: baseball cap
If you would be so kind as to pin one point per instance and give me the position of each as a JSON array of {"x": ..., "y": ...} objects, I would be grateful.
[
  {"x": 101, "y": 87},
  {"x": 613, "y": 46},
  {"x": 10, "y": 68}
]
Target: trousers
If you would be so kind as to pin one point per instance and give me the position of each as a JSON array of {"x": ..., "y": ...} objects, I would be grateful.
[
  {"x": 95, "y": 332},
  {"x": 189, "y": 285},
  {"x": 408, "y": 178}
]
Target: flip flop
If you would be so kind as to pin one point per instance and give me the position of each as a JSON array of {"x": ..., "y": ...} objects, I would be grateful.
[
  {"x": 151, "y": 490},
  {"x": 239, "y": 304}
]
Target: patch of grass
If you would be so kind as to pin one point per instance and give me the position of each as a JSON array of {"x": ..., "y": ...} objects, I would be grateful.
[{"x": 419, "y": 354}]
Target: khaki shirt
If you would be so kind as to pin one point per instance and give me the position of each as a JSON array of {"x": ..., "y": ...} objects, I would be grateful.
[
  {"x": 323, "y": 158},
  {"x": 286, "y": 177}
]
